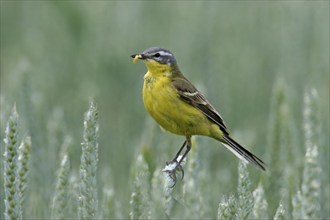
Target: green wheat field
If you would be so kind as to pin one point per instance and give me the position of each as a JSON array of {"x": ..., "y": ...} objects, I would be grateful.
[{"x": 76, "y": 141}]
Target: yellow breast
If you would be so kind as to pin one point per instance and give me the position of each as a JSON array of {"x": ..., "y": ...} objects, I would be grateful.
[{"x": 164, "y": 105}]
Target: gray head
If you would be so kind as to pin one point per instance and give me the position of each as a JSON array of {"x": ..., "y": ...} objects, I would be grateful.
[{"x": 157, "y": 54}]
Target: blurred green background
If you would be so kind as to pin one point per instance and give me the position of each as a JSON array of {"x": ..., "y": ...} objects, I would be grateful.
[{"x": 55, "y": 55}]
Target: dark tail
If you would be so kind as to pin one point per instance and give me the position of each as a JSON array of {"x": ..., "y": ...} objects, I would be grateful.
[{"x": 242, "y": 153}]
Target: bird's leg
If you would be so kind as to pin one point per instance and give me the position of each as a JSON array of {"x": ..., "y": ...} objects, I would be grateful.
[
  {"x": 188, "y": 147},
  {"x": 172, "y": 165},
  {"x": 179, "y": 152},
  {"x": 172, "y": 170}
]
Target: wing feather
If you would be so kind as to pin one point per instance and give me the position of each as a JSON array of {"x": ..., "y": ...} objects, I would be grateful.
[{"x": 192, "y": 96}]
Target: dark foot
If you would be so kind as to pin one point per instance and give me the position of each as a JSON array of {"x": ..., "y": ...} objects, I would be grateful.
[{"x": 172, "y": 167}]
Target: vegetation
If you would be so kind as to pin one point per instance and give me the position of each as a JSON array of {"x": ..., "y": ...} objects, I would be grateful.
[{"x": 263, "y": 65}]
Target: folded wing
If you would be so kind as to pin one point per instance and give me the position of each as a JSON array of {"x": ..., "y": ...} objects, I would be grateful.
[{"x": 192, "y": 96}]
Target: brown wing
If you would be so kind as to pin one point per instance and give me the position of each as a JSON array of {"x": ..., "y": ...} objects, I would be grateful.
[{"x": 192, "y": 96}]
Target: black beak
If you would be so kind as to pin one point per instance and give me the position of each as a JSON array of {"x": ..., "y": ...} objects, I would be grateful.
[{"x": 141, "y": 56}]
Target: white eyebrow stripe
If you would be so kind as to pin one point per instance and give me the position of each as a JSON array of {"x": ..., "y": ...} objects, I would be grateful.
[{"x": 164, "y": 53}]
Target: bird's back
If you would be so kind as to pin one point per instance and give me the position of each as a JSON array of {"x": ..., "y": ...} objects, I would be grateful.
[{"x": 163, "y": 103}]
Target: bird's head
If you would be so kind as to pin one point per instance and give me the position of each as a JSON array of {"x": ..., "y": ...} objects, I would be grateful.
[{"x": 156, "y": 58}]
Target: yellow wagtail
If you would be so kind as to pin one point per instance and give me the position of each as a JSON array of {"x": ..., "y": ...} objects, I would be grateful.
[{"x": 177, "y": 106}]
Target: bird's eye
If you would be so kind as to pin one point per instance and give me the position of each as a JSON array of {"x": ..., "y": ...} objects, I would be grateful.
[{"x": 157, "y": 55}]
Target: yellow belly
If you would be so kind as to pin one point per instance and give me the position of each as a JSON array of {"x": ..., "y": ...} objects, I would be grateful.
[{"x": 171, "y": 113}]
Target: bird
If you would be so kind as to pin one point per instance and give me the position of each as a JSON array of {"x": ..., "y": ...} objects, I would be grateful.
[{"x": 180, "y": 108}]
